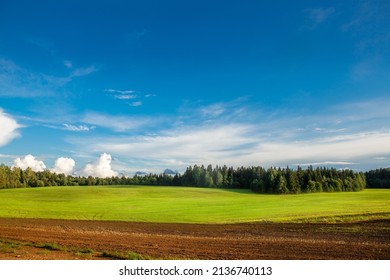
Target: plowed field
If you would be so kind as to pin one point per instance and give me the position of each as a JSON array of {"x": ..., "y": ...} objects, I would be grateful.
[{"x": 361, "y": 240}]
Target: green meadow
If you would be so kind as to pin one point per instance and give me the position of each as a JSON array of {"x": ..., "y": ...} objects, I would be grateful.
[{"x": 190, "y": 205}]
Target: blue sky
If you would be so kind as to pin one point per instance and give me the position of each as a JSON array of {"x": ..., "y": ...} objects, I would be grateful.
[{"x": 113, "y": 87}]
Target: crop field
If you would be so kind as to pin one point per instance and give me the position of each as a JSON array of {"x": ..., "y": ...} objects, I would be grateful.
[
  {"x": 144, "y": 222},
  {"x": 190, "y": 205}
]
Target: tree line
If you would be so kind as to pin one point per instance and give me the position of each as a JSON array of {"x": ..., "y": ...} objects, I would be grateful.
[
  {"x": 18, "y": 178},
  {"x": 272, "y": 180},
  {"x": 378, "y": 178},
  {"x": 275, "y": 180}
]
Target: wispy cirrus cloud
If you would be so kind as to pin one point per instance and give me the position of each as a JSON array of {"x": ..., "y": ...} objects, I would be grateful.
[
  {"x": 128, "y": 94},
  {"x": 369, "y": 23},
  {"x": 83, "y": 71},
  {"x": 127, "y": 91},
  {"x": 60, "y": 81},
  {"x": 122, "y": 94},
  {"x": 368, "y": 16},
  {"x": 317, "y": 16},
  {"x": 136, "y": 104},
  {"x": 119, "y": 123},
  {"x": 213, "y": 110},
  {"x": 16, "y": 81},
  {"x": 78, "y": 127},
  {"x": 68, "y": 64},
  {"x": 125, "y": 96},
  {"x": 227, "y": 111}
]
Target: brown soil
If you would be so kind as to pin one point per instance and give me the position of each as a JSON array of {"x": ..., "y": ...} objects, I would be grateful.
[{"x": 362, "y": 240}]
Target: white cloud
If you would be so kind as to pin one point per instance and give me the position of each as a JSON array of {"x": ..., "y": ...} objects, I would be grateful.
[
  {"x": 8, "y": 128},
  {"x": 83, "y": 71},
  {"x": 127, "y": 91},
  {"x": 354, "y": 147},
  {"x": 326, "y": 163},
  {"x": 233, "y": 145},
  {"x": 125, "y": 96},
  {"x": 213, "y": 110},
  {"x": 135, "y": 104},
  {"x": 29, "y": 161},
  {"x": 235, "y": 111},
  {"x": 16, "y": 81},
  {"x": 101, "y": 167},
  {"x": 349, "y": 134},
  {"x": 78, "y": 127},
  {"x": 117, "y": 123},
  {"x": 277, "y": 143},
  {"x": 64, "y": 165},
  {"x": 179, "y": 148},
  {"x": 380, "y": 158}
]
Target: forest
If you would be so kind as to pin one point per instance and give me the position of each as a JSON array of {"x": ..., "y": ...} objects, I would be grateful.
[
  {"x": 378, "y": 178},
  {"x": 258, "y": 179}
]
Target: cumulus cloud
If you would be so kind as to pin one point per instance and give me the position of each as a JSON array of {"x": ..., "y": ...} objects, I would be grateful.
[
  {"x": 9, "y": 128},
  {"x": 101, "y": 167},
  {"x": 29, "y": 161},
  {"x": 64, "y": 165}
]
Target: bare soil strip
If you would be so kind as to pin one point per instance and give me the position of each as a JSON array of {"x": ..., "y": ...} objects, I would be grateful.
[{"x": 361, "y": 240}]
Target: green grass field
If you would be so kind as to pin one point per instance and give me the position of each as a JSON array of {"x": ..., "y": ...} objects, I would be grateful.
[{"x": 190, "y": 205}]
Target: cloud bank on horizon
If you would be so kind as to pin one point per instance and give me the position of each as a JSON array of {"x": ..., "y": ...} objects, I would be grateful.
[
  {"x": 101, "y": 167},
  {"x": 340, "y": 139},
  {"x": 193, "y": 84}
]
